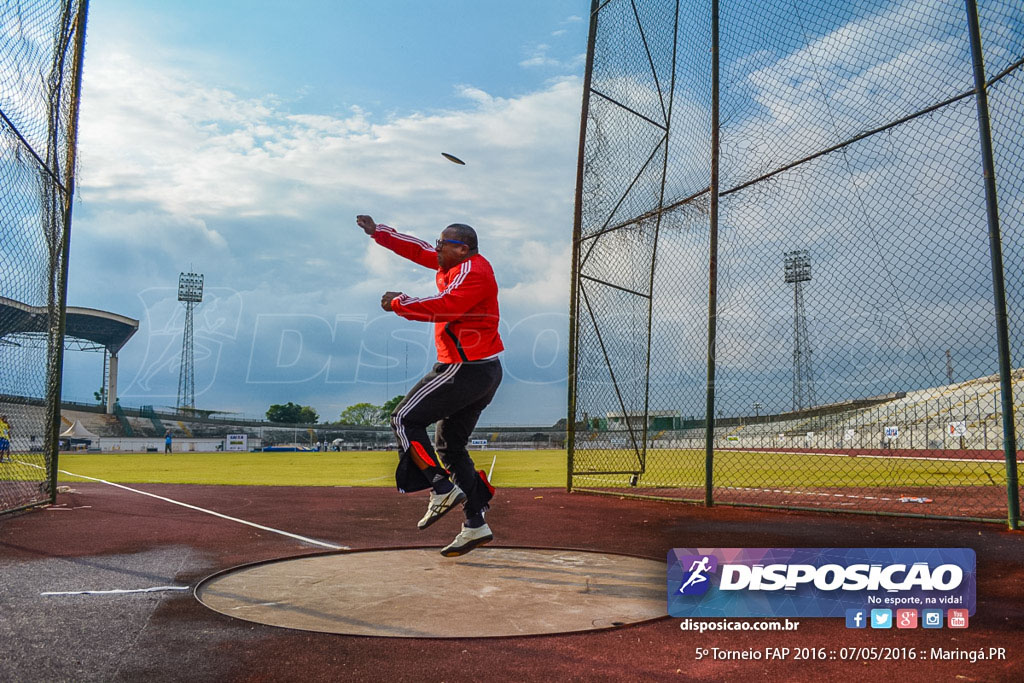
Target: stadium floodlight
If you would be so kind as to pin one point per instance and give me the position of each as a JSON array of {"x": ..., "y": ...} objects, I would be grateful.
[
  {"x": 190, "y": 291},
  {"x": 190, "y": 287},
  {"x": 797, "y": 266},
  {"x": 797, "y": 270}
]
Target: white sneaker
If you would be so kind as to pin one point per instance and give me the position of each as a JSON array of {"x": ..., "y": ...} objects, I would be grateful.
[
  {"x": 467, "y": 540},
  {"x": 439, "y": 504}
]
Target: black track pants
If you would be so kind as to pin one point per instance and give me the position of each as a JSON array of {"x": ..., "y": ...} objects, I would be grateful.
[{"x": 452, "y": 395}]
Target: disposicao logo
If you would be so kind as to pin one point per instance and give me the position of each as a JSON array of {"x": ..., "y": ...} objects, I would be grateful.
[
  {"x": 696, "y": 581},
  {"x": 817, "y": 582}
]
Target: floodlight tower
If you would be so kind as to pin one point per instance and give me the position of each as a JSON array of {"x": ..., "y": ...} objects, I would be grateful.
[
  {"x": 190, "y": 291},
  {"x": 798, "y": 271}
]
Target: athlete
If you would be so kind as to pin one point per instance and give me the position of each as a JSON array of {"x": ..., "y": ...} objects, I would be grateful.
[
  {"x": 5, "y": 438},
  {"x": 461, "y": 384}
]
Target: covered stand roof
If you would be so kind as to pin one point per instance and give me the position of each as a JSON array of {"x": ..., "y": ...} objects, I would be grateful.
[
  {"x": 102, "y": 328},
  {"x": 78, "y": 431}
]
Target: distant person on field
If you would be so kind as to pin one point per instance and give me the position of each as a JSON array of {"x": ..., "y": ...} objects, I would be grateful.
[
  {"x": 5, "y": 439},
  {"x": 167, "y": 441},
  {"x": 461, "y": 384}
]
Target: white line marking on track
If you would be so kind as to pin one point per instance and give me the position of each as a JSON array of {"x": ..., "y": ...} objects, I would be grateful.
[
  {"x": 304, "y": 539},
  {"x": 931, "y": 458},
  {"x": 366, "y": 481},
  {"x": 805, "y": 493},
  {"x": 120, "y": 591}
]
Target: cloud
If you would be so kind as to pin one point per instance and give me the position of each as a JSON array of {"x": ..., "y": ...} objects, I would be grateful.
[
  {"x": 262, "y": 200},
  {"x": 862, "y": 74},
  {"x": 895, "y": 223},
  {"x": 151, "y": 135},
  {"x": 153, "y": 228},
  {"x": 538, "y": 56}
]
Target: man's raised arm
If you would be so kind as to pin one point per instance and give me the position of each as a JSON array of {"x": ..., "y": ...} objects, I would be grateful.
[{"x": 408, "y": 246}]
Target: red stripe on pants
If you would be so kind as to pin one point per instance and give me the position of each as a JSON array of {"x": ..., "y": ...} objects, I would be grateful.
[{"x": 420, "y": 453}]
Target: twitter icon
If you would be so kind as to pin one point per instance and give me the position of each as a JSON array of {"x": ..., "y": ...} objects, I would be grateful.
[{"x": 881, "y": 618}]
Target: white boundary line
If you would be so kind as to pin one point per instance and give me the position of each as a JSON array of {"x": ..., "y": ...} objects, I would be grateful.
[
  {"x": 810, "y": 493},
  {"x": 913, "y": 457},
  {"x": 304, "y": 539},
  {"x": 119, "y": 591},
  {"x": 365, "y": 481},
  {"x": 931, "y": 458}
]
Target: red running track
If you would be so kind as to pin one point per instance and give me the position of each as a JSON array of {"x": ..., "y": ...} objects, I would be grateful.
[{"x": 101, "y": 531}]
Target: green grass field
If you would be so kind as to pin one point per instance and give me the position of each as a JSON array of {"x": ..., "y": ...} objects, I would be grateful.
[
  {"x": 347, "y": 468},
  {"x": 532, "y": 468},
  {"x": 748, "y": 469}
]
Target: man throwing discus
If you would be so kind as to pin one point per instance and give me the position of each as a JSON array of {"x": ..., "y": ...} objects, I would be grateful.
[{"x": 461, "y": 384}]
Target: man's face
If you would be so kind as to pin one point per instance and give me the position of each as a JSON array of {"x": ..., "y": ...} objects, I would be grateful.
[{"x": 450, "y": 250}]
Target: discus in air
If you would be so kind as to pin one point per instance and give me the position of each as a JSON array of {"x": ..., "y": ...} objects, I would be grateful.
[{"x": 452, "y": 158}]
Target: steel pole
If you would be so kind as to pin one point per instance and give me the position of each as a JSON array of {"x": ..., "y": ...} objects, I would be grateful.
[
  {"x": 709, "y": 409},
  {"x": 577, "y": 234},
  {"x": 996, "y": 252},
  {"x": 59, "y": 288}
]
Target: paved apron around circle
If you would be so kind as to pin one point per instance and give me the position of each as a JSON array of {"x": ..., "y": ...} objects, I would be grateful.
[{"x": 416, "y": 593}]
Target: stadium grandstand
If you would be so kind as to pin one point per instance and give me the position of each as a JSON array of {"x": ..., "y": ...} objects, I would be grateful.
[
  {"x": 960, "y": 416},
  {"x": 86, "y": 329}
]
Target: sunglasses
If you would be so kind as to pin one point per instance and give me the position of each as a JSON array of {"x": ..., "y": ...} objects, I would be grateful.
[{"x": 442, "y": 242}]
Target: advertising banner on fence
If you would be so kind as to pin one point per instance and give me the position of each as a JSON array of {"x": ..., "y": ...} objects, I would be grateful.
[
  {"x": 236, "y": 442},
  {"x": 817, "y": 582}
]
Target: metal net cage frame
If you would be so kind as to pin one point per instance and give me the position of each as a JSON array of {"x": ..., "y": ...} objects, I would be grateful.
[
  {"x": 672, "y": 181},
  {"x": 41, "y": 60}
]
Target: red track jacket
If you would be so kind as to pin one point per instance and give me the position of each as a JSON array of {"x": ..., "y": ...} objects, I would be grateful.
[{"x": 465, "y": 309}]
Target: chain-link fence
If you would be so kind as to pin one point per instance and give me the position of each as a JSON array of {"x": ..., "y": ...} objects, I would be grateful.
[
  {"x": 806, "y": 314},
  {"x": 41, "y": 44}
]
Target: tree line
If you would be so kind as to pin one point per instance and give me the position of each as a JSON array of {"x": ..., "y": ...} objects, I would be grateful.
[{"x": 360, "y": 414}]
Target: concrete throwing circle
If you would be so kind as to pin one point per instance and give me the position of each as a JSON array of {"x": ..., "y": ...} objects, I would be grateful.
[{"x": 416, "y": 593}]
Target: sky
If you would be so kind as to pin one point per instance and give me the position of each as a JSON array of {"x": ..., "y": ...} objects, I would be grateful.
[
  {"x": 240, "y": 140},
  {"x": 894, "y": 223}
]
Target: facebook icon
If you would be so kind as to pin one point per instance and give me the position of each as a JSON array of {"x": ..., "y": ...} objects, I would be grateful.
[{"x": 856, "y": 618}]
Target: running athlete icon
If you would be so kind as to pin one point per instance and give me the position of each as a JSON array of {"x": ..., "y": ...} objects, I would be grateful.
[{"x": 697, "y": 570}]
